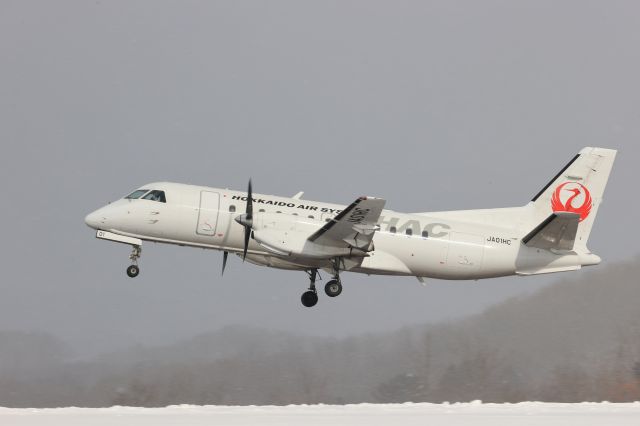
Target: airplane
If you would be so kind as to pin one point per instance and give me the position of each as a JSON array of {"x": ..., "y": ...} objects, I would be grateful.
[{"x": 548, "y": 234}]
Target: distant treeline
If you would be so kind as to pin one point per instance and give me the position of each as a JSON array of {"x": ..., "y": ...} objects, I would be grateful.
[{"x": 578, "y": 340}]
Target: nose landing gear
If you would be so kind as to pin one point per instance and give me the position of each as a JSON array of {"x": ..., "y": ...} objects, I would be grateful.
[{"x": 133, "y": 270}]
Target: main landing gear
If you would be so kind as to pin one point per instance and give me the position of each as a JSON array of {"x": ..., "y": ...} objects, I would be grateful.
[
  {"x": 133, "y": 270},
  {"x": 333, "y": 288},
  {"x": 310, "y": 297}
]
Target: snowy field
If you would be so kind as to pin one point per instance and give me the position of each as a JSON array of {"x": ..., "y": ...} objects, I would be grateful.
[{"x": 473, "y": 413}]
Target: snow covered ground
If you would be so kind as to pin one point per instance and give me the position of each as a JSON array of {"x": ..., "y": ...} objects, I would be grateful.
[{"x": 473, "y": 413}]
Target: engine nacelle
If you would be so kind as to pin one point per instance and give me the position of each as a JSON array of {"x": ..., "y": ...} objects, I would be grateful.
[{"x": 286, "y": 235}]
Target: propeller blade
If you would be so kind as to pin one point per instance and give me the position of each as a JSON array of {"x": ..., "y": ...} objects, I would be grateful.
[
  {"x": 224, "y": 260},
  {"x": 249, "y": 201},
  {"x": 248, "y": 220},
  {"x": 247, "y": 234}
]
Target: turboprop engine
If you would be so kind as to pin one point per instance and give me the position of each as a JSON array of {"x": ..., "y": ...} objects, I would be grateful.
[{"x": 288, "y": 235}]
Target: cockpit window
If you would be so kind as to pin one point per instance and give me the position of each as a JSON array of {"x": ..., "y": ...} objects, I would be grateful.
[
  {"x": 155, "y": 196},
  {"x": 137, "y": 194}
]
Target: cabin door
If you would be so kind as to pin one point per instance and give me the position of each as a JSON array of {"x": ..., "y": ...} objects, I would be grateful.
[{"x": 208, "y": 213}]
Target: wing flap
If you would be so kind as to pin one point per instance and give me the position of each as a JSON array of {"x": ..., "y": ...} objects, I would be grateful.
[
  {"x": 354, "y": 226},
  {"x": 558, "y": 231}
]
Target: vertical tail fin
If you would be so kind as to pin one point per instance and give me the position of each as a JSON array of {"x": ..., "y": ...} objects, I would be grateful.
[{"x": 577, "y": 188}]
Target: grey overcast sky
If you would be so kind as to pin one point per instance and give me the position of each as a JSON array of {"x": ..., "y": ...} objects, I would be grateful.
[{"x": 433, "y": 105}]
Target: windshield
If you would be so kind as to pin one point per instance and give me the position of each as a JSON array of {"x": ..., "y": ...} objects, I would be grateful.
[
  {"x": 137, "y": 194},
  {"x": 155, "y": 196}
]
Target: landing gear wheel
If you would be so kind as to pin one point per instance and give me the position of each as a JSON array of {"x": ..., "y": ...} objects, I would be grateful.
[
  {"x": 133, "y": 271},
  {"x": 309, "y": 298},
  {"x": 333, "y": 288}
]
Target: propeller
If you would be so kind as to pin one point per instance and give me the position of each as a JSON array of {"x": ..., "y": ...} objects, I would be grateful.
[
  {"x": 224, "y": 260},
  {"x": 246, "y": 220}
]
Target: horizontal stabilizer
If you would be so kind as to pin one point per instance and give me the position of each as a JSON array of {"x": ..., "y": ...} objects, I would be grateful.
[{"x": 558, "y": 231}]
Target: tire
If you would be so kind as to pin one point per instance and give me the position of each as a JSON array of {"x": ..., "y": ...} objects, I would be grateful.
[
  {"x": 309, "y": 298},
  {"x": 333, "y": 288},
  {"x": 133, "y": 271}
]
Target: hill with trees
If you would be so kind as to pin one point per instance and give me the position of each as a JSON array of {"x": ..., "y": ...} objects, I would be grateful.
[{"x": 577, "y": 340}]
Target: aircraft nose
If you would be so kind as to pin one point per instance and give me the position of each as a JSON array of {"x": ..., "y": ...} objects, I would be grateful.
[{"x": 95, "y": 219}]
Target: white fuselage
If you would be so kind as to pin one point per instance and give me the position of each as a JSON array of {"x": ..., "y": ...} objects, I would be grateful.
[{"x": 468, "y": 244}]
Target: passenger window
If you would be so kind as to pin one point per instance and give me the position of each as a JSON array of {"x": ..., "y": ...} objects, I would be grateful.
[
  {"x": 295, "y": 214},
  {"x": 310, "y": 216},
  {"x": 232, "y": 208},
  {"x": 409, "y": 231},
  {"x": 261, "y": 211},
  {"x": 327, "y": 220},
  {"x": 392, "y": 229},
  {"x": 278, "y": 211},
  {"x": 425, "y": 234},
  {"x": 155, "y": 196},
  {"x": 137, "y": 194}
]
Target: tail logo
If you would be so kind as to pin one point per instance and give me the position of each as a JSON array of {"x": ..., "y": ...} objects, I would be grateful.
[{"x": 566, "y": 197}]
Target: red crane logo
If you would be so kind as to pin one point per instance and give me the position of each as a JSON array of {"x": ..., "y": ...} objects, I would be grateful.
[{"x": 563, "y": 201}]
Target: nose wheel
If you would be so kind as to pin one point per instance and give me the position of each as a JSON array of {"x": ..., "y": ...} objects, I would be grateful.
[{"x": 133, "y": 270}]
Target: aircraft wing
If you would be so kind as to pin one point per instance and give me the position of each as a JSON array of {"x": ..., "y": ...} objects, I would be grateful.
[
  {"x": 558, "y": 231},
  {"x": 352, "y": 227}
]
